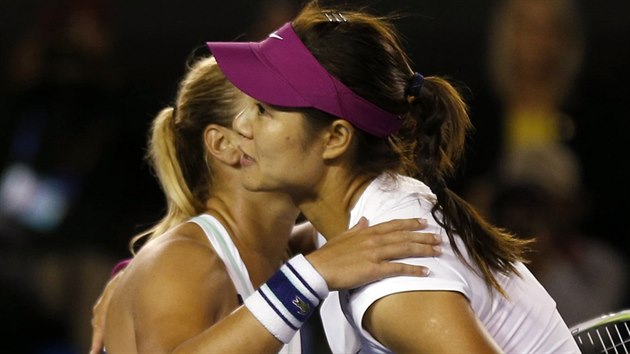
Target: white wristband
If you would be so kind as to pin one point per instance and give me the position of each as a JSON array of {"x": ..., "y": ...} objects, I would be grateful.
[{"x": 289, "y": 298}]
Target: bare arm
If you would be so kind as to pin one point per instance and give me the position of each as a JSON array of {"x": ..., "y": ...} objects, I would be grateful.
[
  {"x": 428, "y": 322},
  {"x": 167, "y": 310},
  {"x": 178, "y": 293},
  {"x": 186, "y": 308},
  {"x": 362, "y": 259}
]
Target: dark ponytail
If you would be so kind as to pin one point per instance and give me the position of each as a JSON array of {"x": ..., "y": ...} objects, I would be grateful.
[{"x": 435, "y": 129}]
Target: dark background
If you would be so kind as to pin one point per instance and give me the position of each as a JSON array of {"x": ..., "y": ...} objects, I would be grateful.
[{"x": 80, "y": 127}]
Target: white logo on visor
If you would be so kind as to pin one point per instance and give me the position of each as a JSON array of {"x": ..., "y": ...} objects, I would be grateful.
[{"x": 276, "y": 36}]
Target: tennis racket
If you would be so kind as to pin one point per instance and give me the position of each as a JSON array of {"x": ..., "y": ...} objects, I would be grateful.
[{"x": 608, "y": 333}]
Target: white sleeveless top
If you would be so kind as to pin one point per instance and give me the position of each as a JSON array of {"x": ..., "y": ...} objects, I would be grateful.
[{"x": 227, "y": 251}]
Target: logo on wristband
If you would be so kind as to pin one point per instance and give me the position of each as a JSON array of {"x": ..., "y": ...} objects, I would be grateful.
[{"x": 302, "y": 306}]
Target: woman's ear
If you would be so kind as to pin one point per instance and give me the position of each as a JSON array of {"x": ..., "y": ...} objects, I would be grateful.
[
  {"x": 338, "y": 139},
  {"x": 219, "y": 143}
]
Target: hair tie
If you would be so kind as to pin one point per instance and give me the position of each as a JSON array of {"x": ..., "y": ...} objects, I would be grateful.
[{"x": 414, "y": 85}]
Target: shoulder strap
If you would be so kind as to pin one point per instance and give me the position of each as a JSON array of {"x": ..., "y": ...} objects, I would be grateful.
[{"x": 227, "y": 251}]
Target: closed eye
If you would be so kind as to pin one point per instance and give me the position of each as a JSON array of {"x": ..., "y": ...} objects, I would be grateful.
[{"x": 261, "y": 109}]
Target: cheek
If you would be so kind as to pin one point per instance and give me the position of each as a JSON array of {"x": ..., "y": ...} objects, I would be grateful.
[
  {"x": 279, "y": 149},
  {"x": 290, "y": 152},
  {"x": 297, "y": 144}
]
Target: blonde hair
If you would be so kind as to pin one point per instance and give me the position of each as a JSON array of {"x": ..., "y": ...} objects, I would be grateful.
[{"x": 177, "y": 152}]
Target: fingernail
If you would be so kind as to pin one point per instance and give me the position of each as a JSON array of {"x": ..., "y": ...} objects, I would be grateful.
[
  {"x": 422, "y": 222},
  {"x": 426, "y": 271},
  {"x": 437, "y": 237},
  {"x": 437, "y": 249}
]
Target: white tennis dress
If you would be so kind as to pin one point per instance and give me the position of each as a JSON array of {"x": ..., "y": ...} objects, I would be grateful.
[
  {"x": 227, "y": 251},
  {"x": 527, "y": 323}
]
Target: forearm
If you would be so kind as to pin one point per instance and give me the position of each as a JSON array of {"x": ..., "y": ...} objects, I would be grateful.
[
  {"x": 271, "y": 316},
  {"x": 240, "y": 332}
]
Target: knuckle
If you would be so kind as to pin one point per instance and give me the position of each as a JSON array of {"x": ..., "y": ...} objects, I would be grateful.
[
  {"x": 390, "y": 225},
  {"x": 373, "y": 242},
  {"x": 375, "y": 268},
  {"x": 422, "y": 236},
  {"x": 397, "y": 268},
  {"x": 377, "y": 255},
  {"x": 378, "y": 229},
  {"x": 424, "y": 250}
]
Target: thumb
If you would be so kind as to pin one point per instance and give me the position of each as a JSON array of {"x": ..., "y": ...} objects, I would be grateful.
[{"x": 363, "y": 223}]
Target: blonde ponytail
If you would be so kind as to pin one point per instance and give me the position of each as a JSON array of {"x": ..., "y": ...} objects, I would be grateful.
[
  {"x": 181, "y": 205},
  {"x": 176, "y": 145}
]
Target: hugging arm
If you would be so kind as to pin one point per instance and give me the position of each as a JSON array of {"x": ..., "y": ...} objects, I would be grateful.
[
  {"x": 363, "y": 259},
  {"x": 99, "y": 312}
]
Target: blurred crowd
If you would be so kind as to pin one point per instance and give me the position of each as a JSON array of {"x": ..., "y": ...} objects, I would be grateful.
[
  {"x": 546, "y": 160},
  {"x": 533, "y": 185}
]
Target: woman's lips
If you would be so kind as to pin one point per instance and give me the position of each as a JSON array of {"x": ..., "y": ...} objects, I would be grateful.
[{"x": 246, "y": 160}]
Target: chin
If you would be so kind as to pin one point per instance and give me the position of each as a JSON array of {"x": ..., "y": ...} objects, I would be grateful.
[{"x": 254, "y": 185}]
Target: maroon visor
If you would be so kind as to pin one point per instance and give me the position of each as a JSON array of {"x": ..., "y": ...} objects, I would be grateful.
[{"x": 281, "y": 71}]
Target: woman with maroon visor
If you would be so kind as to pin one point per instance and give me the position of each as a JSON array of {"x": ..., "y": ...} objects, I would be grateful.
[
  {"x": 218, "y": 242},
  {"x": 338, "y": 120}
]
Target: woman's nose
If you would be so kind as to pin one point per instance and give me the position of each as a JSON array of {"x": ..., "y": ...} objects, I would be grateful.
[{"x": 240, "y": 124}]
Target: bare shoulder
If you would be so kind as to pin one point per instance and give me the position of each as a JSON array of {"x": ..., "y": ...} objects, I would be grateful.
[
  {"x": 182, "y": 259},
  {"x": 183, "y": 244},
  {"x": 175, "y": 287},
  {"x": 431, "y": 321}
]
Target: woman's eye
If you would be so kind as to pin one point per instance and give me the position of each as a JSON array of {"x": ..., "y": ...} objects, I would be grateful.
[{"x": 261, "y": 109}]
